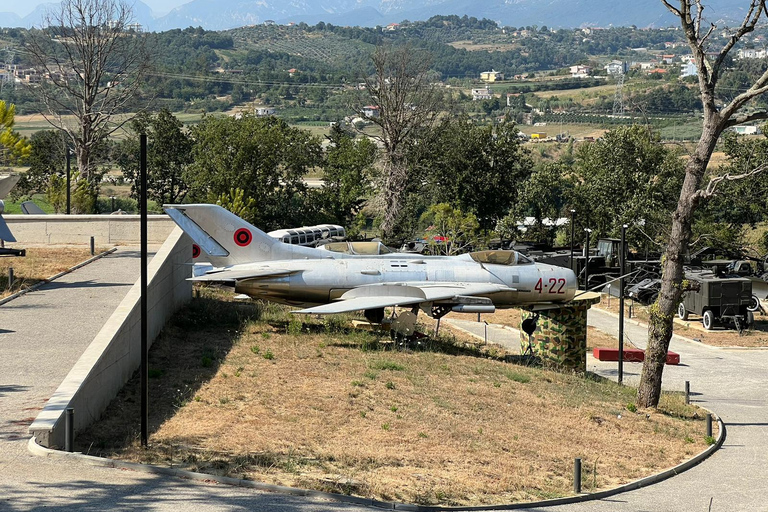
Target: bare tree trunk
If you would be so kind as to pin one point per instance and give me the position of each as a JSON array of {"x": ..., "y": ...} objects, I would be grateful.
[
  {"x": 395, "y": 180},
  {"x": 716, "y": 119},
  {"x": 663, "y": 311}
]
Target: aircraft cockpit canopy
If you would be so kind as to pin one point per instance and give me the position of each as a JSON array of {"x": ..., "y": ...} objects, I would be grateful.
[
  {"x": 366, "y": 248},
  {"x": 509, "y": 258}
]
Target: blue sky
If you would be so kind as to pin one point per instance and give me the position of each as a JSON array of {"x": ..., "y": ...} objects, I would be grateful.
[{"x": 24, "y": 8}]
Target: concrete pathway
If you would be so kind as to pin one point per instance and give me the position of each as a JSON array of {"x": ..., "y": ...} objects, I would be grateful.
[{"x": 43, "y": 333}]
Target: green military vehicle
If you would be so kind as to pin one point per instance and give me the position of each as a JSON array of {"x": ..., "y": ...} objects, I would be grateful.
[{"x": 718, "y": 300}]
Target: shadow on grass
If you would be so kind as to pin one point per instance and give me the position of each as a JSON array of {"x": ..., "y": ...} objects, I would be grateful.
[
  {"x": 185, "y": 356},
  {"x": 198, "y": 338}
]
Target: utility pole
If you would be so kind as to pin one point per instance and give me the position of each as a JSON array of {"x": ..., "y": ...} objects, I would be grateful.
[{"x": 618, "y": 97}]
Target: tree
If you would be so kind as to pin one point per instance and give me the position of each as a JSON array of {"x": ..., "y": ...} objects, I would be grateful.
[
  {"x": 264, "y": 157},
  {"x": 716, "y": 118},
  {"x": 46, "y": 158},
  {"x": 347, "y": 174},
  {"x": 13, "y": 147},
  {"x": 625, "y": 177},
  {"x": 450, "y": 230},
  {"x": 543, "y": 195},
  {"x": 407, "y": 101},
  {"x": 92, "y": 67},
  {"x": 169, "y": 153},
  {"x": 477, "y": 168}
]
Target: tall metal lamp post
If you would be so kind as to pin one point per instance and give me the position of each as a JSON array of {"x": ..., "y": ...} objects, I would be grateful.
[
  {"x": 622, "y": 258},
  {"x": 573, "y": 230},
  {"x": 69, "y": 178},
  {"x": 586, "y": 260},
  {"x": 144, "y": 370}
]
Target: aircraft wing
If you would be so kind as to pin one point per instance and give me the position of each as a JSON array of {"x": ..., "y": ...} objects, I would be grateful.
[
  {"x": 230, "y": 276},
  {"x": 389, "y": 295}
]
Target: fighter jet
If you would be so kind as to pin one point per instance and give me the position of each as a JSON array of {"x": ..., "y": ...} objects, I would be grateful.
[{"x": 326, "y": 282}]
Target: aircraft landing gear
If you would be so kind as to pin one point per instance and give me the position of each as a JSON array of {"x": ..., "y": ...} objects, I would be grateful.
[
  {"x": 439, "y": 312},
  {"x": 375, "y": 316}
]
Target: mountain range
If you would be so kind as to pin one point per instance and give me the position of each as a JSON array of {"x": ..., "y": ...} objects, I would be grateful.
[{"x": 225, "y": 14}]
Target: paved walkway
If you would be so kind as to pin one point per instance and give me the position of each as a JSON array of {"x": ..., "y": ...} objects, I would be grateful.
[{"x": 43, "y": 333}]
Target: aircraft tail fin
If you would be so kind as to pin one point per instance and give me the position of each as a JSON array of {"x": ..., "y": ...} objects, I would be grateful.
[{"x": 226, "y": 238}]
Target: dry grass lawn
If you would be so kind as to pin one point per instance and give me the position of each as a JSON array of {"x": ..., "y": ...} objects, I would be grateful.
[
  {"x": 39, "y": 264},
  {"x": 247, "y": 391}
]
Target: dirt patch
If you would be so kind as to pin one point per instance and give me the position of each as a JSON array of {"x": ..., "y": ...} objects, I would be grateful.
[
  {"x": 248, "y": 391},
  {"x": 39, "y": 264},
  {"x": 755, "y": 337}
]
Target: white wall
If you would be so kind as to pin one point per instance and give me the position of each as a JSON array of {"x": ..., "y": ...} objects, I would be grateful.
[
  {"x": 115, "y": 353},
  {"x": 78, "y": 229}
]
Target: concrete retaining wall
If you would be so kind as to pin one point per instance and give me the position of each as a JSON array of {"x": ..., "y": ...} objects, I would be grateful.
[
  {"x": 115, "y": 353},
  {"x": 78, "y": 229}
]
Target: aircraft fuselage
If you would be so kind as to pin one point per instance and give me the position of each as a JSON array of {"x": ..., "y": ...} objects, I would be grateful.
[{"x": 311, "y": 282}]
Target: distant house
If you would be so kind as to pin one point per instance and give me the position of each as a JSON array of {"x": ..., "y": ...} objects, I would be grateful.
[
  {"x": 580, "y": 71},
  {"x": 746, "y": 130},
  {"x": 392, "y": 27},
  {"x": 371, "y": 111},
  {"x": 615, "y": 67},
  {"x": 264, "y": 111},
  {"x": 752, "y": 54},
  {"x": 644, "y": 66},
  {"x": 292, "y": 71},
  {"x": 668, "y": 59},
  {"x": 688, "y": 69},
  {"x": 269, "y": 22},
  {"x": 491, "y": 76},
  {"x": 482, "y": 94},
  {"x": 658, "y": 71}
]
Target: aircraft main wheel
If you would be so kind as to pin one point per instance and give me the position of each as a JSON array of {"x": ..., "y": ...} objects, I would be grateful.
[
  {"x": 682, "y": 313},
  {"x": 708, "y": 319},
  {"x": 754, "y": 303}
]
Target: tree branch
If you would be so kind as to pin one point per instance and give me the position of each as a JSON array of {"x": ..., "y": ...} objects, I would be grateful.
[
  {"x": 745, "y": 118},
  {"x": 711, "y": 188}
]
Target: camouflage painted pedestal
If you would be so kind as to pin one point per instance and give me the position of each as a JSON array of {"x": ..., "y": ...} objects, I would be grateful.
[{"x": 560, "y": 339}]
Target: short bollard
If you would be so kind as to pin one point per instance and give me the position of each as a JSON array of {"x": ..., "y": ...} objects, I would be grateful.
[
  {"x": 93, "y": 247},
  {"x": 577, "y": 475},
  {"x": 69, "y": 430},
  {"x": 10, "y": 277},
  {"x": 709, "y": 425},
  {"x": 687, "y": 392}
]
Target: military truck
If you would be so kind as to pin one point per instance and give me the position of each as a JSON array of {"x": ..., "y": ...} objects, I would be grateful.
[
  {"x": 718, "y": 300},
  {"x": 753, "y": 269}
]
